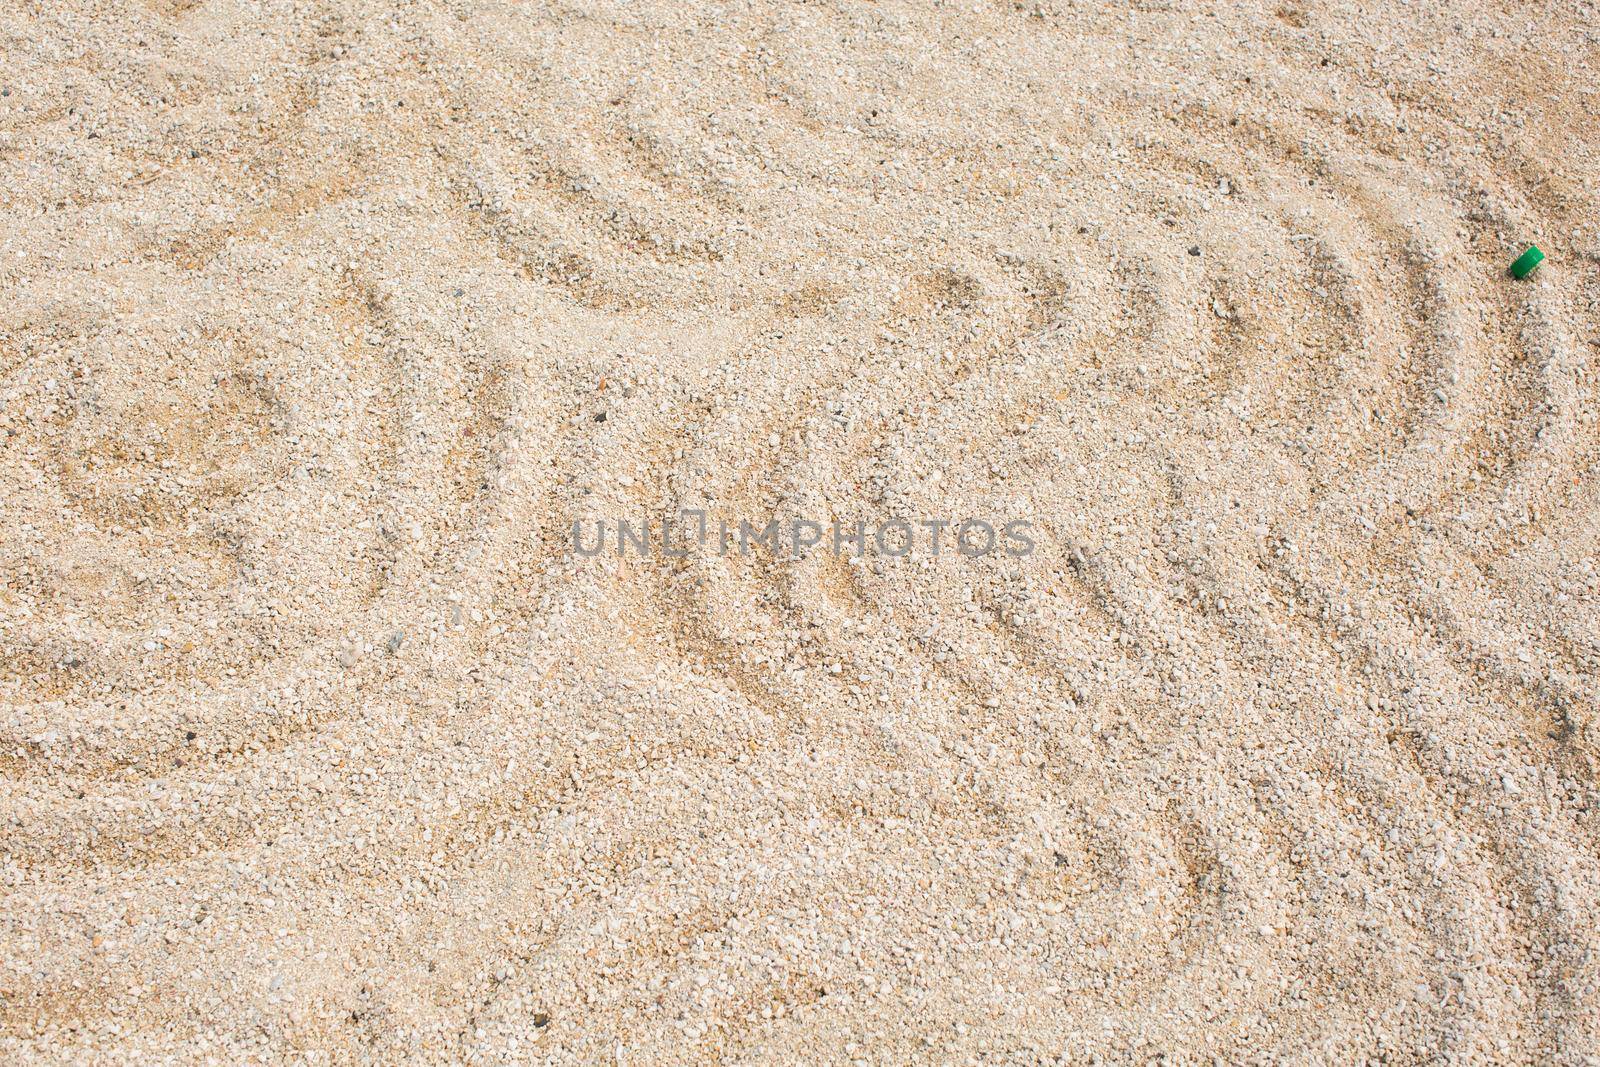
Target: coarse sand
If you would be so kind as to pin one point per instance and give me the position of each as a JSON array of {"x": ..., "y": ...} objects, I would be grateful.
[{"x": 323, "y": 322}]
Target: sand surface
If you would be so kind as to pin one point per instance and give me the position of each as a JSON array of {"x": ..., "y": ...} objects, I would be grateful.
[{"x": 322, "y": 322}]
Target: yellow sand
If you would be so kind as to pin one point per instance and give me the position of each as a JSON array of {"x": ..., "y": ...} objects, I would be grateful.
[{"x": 319, "y": 744}]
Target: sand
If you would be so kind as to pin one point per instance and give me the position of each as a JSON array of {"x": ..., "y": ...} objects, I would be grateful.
[{"x": 323, "y": 323}]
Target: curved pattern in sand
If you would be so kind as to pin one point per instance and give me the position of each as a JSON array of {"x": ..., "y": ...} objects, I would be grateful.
[{"x": 316, "y": 737}]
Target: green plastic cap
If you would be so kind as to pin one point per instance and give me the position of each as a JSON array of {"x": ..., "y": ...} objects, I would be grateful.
[{"x": 1525, "y": 263}]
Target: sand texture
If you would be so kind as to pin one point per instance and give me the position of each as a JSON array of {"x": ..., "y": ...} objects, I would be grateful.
[{"x": 323, "y": 321}]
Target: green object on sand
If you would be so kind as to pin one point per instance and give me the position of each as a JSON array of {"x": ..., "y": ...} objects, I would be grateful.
[{"x": 1524, "y": 264}]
